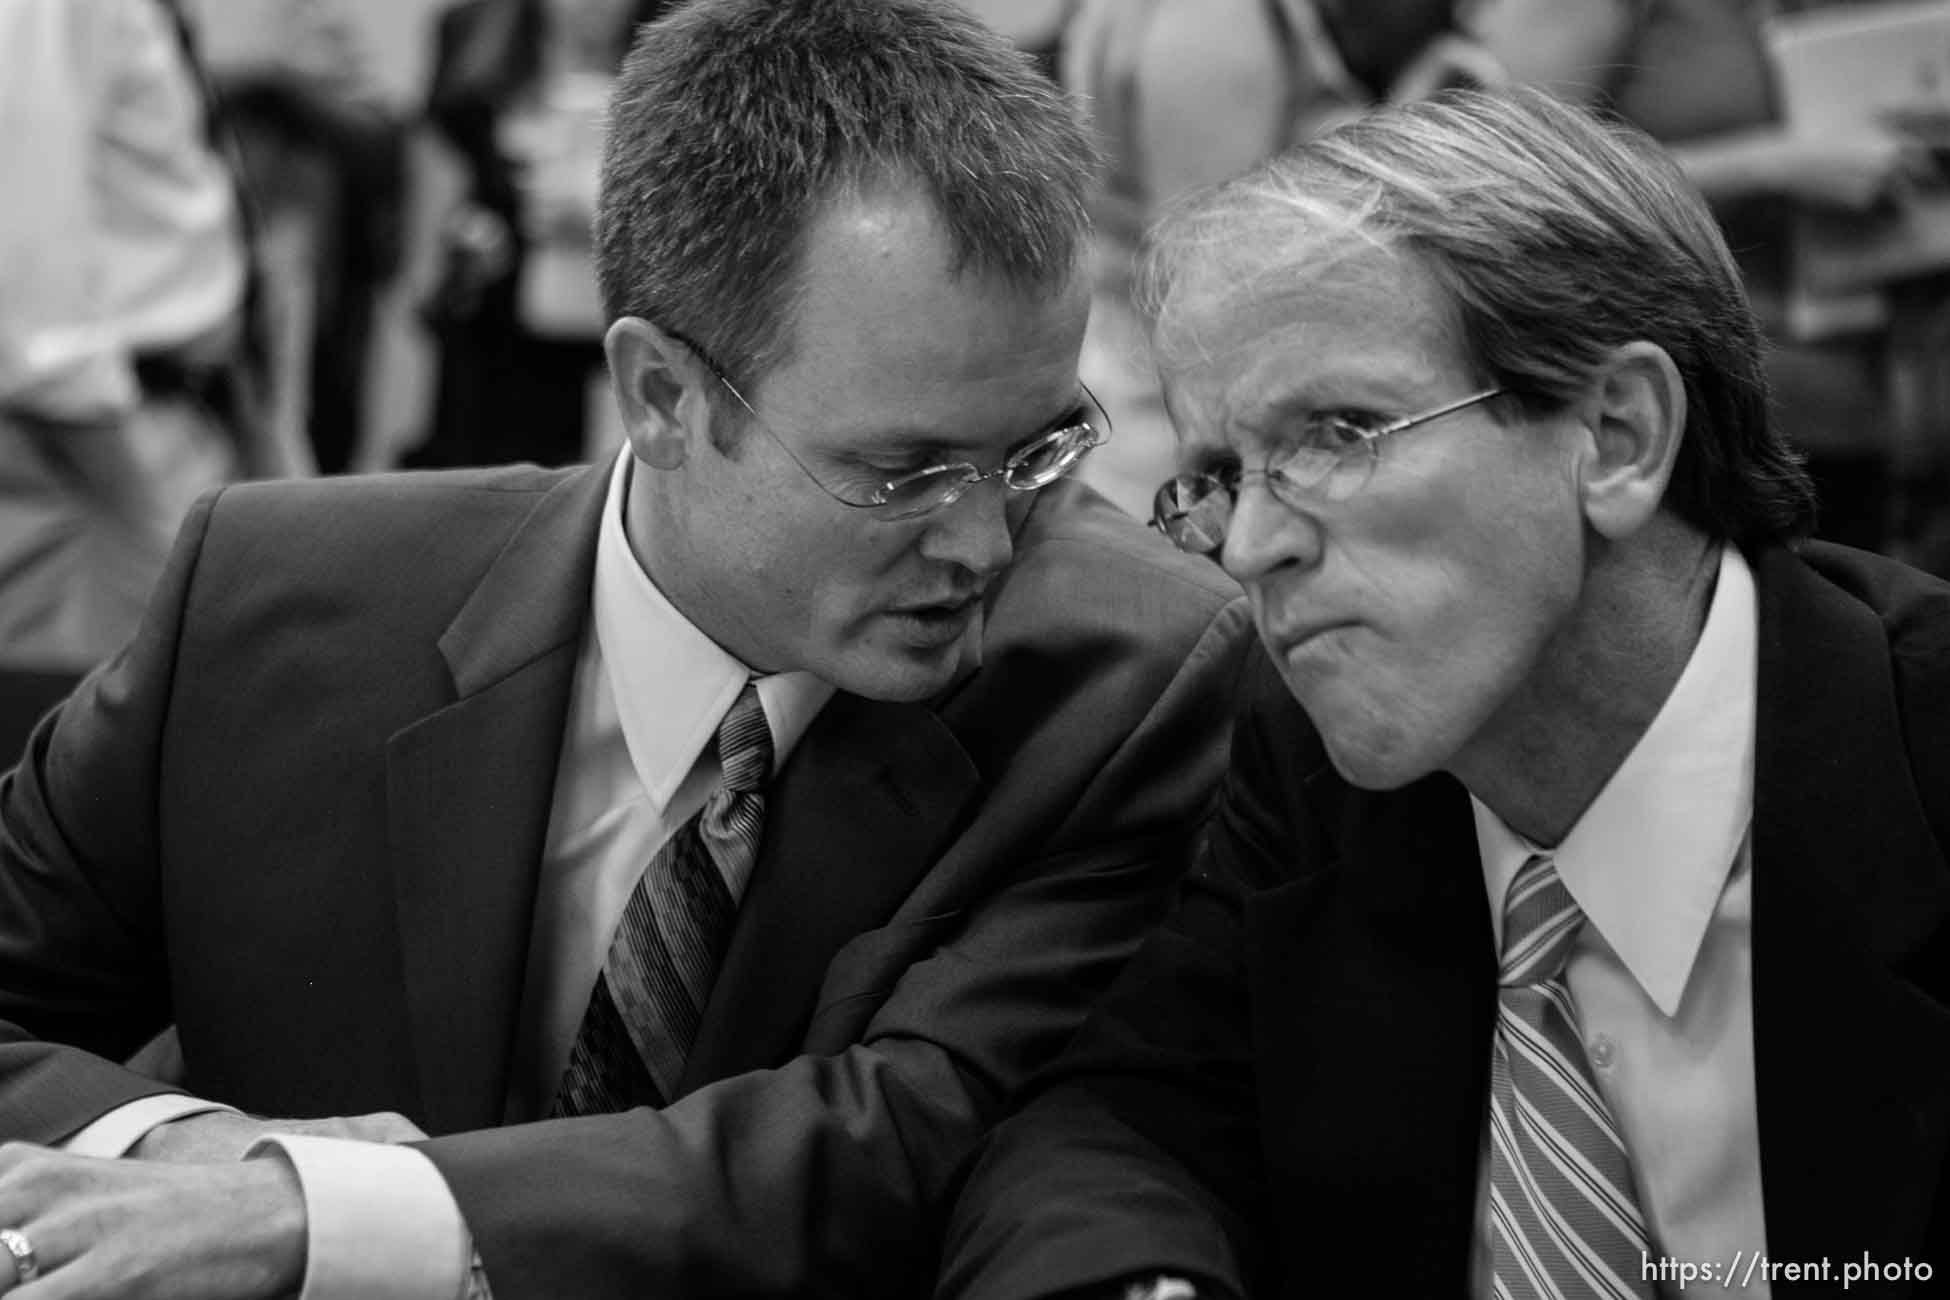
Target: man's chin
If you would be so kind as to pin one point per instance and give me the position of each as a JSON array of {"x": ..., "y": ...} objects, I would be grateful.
[
  {"x": 1376, "y": 777},
  {"x": 1372, "y": 763},
  {"x": 906, "y": 674}
]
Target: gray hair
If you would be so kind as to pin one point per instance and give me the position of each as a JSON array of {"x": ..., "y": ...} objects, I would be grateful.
[
  {"x": 1556, "y": 235},
  {"x": 735, "y": 121}
]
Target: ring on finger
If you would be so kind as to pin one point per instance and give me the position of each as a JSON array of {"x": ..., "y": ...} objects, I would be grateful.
[{"x": 27, "y": 1266}]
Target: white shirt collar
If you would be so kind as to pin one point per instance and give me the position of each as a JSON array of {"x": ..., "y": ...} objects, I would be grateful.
[
  {"x": 672, "y": 684},
  {"x": 1649, "y": 858}
]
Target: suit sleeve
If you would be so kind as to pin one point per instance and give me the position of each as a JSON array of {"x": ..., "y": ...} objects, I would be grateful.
[
  {"x": 827, "y": 1176},
  {"x": 1138, "y": 1152},
  {"x": 83, "y": 976}
]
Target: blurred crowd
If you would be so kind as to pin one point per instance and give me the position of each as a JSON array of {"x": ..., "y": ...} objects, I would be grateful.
[{"x": 230, "y": 250}]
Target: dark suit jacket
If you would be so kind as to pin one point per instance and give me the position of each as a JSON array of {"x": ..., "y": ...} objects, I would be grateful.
[
  {"x": 1285, "y": 1093},
  {"x": 301, "y": 818}
]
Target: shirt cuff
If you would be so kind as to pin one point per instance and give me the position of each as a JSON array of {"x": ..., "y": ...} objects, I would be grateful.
[
  {"x": 380, "y": 1223},
  {"x": 115, "y": 1132}
]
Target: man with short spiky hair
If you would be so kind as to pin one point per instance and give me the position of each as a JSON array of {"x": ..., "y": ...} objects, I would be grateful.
[
  {"x": 703, "y": 846},
  {"x": 1573, "y": 923}
]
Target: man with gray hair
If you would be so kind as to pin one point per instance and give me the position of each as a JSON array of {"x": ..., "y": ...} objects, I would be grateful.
[
  {"x": 701, "y": 847},
  {"x": 1573, "y": 920}
]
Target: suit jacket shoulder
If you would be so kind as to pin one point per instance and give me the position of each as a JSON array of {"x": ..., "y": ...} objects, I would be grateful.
[
  {"x": 1095, "y": 617},
  {"x": 378, "y": 534},
  {"x": 1851, "y": 903},
  {"x": 369, "y": 572},
  {"x": 1913, "y": 611}
]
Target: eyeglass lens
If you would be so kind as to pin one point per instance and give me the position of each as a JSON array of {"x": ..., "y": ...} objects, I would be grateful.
[
  {"x": 1035, "y": 466},
  {"x": 1193, "y": 511}
]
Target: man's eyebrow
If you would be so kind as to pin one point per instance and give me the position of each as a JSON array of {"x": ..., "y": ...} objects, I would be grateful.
[
  {"x": 1077, "y": 412},
  {"x": 933, "y": 449},
  {"x": 1381, "y": 388},
  {"x": 1280, "y": 406}
]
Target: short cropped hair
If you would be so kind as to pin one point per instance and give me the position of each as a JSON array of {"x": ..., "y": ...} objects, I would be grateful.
[
  {"x": 1556, "y": 236},
  {"x": 735, "y": 121}
]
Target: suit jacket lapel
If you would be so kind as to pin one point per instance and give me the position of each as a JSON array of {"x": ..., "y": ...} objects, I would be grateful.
[
  {"x": 469, "y": 790},
  {"x": 1374, "y": 989},
  {"x": 863, "y": 806},
  {"x": 1850, "y": 1059}
]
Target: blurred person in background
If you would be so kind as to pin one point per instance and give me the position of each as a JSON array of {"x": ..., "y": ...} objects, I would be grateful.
[
  {"x": 519, "y": 89},
  {"x": 1696, "y": 75},
  {"x": 1186, "y": 93},
  {"x": 125, "y": 388},
  {"x": 324, "y": 156}
]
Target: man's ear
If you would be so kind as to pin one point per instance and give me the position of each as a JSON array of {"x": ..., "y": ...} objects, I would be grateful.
[
  {"x": 655, "y": 380},
  {"x": 1635, "y": 416}
]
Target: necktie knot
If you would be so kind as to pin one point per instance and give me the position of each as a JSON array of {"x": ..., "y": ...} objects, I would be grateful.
[
  {"x": 745, "y": 743},
  {"x": 1540, "y": 919}
]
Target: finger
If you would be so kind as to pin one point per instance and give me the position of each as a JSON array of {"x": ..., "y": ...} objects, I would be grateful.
[
  {"x": 22, "y": 1260},
  {"x": 37, "y": 1233}
]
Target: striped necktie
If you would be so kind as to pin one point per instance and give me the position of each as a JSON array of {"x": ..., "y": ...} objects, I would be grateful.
[
  {"x": 650, "y": 996},
  {"x": 1563, "y": 1217}
]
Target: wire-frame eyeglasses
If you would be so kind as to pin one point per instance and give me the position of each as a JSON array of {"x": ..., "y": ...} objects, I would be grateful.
[
  {"x": 1037, "y": 464},
  {"x": 1332, "y": 457}
]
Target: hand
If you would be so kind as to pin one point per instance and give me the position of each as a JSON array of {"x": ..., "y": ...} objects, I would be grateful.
[
  {"x": 1859, "y": 172},
  {"x": 127, "y": 1230},
  {"x": 220, "y": 1135}
]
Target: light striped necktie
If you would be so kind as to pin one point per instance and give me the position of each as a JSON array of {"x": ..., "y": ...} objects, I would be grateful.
[
  {"x": 1564, "y": 1220},
  {"x": 649, "y": 999}
]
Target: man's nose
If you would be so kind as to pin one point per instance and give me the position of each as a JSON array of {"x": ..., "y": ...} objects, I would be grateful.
[
  {"x": 973, "y": 530},
  {"x": 1265, "y": 533}
]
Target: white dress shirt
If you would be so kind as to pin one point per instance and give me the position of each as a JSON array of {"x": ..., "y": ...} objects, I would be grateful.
[
  {"x": 119, "y": 232},
  {"x": 1661, "y": 974},
  {"x": 636, "y": 763}
]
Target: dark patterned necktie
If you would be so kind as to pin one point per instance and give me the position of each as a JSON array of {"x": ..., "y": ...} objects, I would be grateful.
[
  {"x": 644, "y": 1011},
  {"x": 1564, "y": 1220}
]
